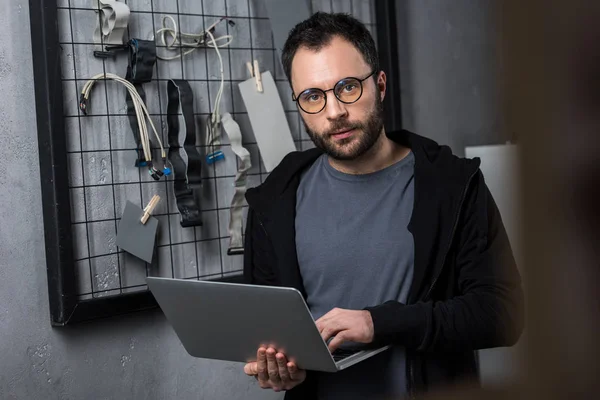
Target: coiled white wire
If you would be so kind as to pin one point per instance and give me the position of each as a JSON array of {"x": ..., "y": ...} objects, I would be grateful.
[
  {"x": 141, "y": 111},
  {"x": 175, "y": 41}
]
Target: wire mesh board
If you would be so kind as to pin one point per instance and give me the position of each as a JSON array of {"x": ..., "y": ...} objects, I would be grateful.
[{"x": 101, "y": 150}]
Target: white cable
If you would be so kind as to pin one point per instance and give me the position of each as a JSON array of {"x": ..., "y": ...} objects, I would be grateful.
[
  {"x": 213, "y": 127},
  {"x": 141, "y": 111},
  {"x": 175, "y": 41},
  {"x": 217, "y": 115}
]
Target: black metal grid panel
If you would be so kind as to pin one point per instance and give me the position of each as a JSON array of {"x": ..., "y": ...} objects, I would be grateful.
[
  {"x": 101, "y": 149},
  {"x": 87, "y": 161}
]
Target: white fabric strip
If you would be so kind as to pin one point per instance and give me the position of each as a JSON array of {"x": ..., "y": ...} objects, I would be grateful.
[
  {"x": 232, "y": 129},
  {"x": 111, "y": 23}
]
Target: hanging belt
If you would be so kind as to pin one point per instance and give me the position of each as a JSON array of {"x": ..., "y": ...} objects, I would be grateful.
[
  {"x": 112, "y": 21},
  {"x": 187, "y": 178},
  {"x": 236, "y": 244},
  {"x": 142, "y": 58}
]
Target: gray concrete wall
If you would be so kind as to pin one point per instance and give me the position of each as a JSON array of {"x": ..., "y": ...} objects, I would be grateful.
[
  {"x": 450, "y": 64},
  {"x": 133, "y": 357}
]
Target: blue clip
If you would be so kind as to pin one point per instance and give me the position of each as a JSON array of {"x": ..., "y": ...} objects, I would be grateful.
[
  {"x": 167, "y": 171},
  {"x": 214, "y": 157}
]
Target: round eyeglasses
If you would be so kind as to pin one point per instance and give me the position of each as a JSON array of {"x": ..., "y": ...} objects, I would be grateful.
[{"x": 347, "y": 90}]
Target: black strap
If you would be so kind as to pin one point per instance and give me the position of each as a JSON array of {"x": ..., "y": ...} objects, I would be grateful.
[
  {"x": 142, "y": 58},
  {"x": 180, "y": 93},
  {"x": 187, "y": 178}
]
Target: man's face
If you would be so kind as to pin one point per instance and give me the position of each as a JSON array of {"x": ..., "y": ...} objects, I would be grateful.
[{"x": 343, "y": 131}]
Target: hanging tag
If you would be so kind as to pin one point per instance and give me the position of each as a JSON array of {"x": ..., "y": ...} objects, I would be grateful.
[{"x": 268, "y": 120}]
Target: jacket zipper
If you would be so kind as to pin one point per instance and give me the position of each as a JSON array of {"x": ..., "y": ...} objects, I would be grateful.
[
  {"x": 411, "y": 380},
  {"x": 411, "y": 390},
  {"x": 261, "y": 224}
]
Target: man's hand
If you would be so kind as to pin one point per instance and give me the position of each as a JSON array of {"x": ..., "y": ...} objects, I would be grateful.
[
  {"x": 273, "y": 371},
  {"x": 346, "y": 325}
]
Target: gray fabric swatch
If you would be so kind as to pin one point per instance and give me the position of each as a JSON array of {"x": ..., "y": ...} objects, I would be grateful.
[{"x": 133, "y": 236}]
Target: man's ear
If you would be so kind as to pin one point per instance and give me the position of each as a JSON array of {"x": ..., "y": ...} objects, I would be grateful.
[{"x": 382, "y": 84}]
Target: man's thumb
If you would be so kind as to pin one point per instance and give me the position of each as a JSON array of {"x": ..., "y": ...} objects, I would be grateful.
[{"x": 251, "y": 369}]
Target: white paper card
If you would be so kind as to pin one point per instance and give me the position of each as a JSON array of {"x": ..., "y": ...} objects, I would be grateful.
[{"x": 268, "y": 120}]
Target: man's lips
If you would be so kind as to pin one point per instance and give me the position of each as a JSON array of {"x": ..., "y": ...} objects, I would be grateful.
[{"x": 343, "y": 134}]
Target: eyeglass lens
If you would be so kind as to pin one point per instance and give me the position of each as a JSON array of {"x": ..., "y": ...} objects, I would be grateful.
[{"x": 347, "y": 91}]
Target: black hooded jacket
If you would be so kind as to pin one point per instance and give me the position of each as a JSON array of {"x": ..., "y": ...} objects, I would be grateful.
[{"x": 466, "y": 292}]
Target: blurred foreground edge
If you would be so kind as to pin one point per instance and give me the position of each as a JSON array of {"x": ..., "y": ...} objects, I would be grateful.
[{"x": 551, "y": 86}]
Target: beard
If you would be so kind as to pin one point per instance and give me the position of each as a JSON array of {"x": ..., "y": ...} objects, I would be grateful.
[{"x": 366, "y": 135}]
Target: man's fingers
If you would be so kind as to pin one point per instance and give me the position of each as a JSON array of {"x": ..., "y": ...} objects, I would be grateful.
[
  {"x": 293, "y": 371},
  {"x": 272, "y": 366},
  {"x": 330, "y": 331},
  {"x": 329, "y": 326},
  {"x": 326, "y": 317},
  {"x": 322, "y": 322},
  {"x": 337, "y": 341},
  {"x": 274, "y": 371},
  {"x": 325, "y": 334},
  {"x": 282, "y": 366},
  {"x": 261, "y": 365}
]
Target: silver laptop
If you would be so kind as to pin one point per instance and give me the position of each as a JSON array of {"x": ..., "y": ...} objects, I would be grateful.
[{"x": 229, "y": 321}]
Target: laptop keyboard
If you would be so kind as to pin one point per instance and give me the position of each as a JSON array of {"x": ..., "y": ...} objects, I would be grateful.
[{"x": 341, "y": 354}]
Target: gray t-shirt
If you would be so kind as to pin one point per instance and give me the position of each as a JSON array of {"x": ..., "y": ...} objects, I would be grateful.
[{"x": 355, "y": 251}]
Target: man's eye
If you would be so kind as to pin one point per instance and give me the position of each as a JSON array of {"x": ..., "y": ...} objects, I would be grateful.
[
  {"x": 312, "y": 97},
  {"x": 349, "y": 87}
]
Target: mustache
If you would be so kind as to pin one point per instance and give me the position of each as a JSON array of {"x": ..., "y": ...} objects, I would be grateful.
[{"x": 337, "y": 126}]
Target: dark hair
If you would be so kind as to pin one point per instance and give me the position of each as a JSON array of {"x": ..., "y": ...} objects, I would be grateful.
[{"x": 318, "y": 31}]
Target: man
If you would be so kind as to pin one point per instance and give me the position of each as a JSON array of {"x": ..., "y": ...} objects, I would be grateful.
[{"x": 390, "y": 238}]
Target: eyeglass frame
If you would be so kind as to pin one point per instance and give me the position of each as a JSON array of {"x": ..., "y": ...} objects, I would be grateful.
[{"x": 295, "y": 98}]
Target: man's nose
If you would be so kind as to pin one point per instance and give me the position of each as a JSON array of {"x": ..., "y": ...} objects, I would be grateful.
[{"x": 334, "y": 109}]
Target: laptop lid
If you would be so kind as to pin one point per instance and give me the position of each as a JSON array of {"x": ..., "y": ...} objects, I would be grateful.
[{"x": 228, "y": 321}]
